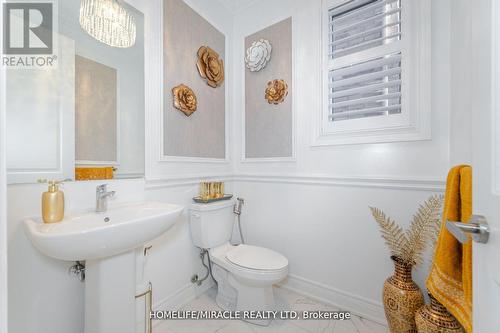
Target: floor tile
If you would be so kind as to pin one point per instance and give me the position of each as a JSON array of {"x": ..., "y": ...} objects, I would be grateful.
[
  {"x": 161, "y": 328},
  {"x": 205, "y": 302},
  {"x": 236, "y": 326},
  {"x": 288, "y": 300},
  {"x": 194, "y": 327},
  {"x": 345, "y": 326},
  {"x": 278, "y": 326},
  {"x": 366, "y": 326},
  {"x": 273, "y": 327},
  {"x": 290, "y": 328},
  {"x": 285, "y": 300}
]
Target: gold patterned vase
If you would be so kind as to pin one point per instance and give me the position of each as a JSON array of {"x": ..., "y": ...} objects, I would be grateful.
[
  {"x": 435, "y": 318},
  {"x": 402, "y": 298}
]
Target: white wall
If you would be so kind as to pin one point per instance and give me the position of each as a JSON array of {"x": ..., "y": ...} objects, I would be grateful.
[
  {"x": 42, "y": 288},
  {"x": 315, "y": 210},
  {"x": 3, "y": 199},
  {"x": 47, "y": 113},
  {"x": 461, "y": 52},
  {"x": 43, "y": 297},
  {"x": 39, "y": 285},
  {"x": 422, "y": 159}
]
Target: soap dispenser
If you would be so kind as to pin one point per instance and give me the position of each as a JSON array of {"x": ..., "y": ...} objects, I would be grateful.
[{"x": 52, "y": 202}]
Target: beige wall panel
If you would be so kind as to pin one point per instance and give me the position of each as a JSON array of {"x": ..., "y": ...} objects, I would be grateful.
[
  {"x": 96, "y": 111},
  {"x": 203, "y": 133},
  {"x": 269, "y": 128}
]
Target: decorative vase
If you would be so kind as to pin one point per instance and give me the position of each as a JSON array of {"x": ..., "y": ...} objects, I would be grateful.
[
  {"x": 402, "y": 298},
  {"x": 435, "y": 318}
]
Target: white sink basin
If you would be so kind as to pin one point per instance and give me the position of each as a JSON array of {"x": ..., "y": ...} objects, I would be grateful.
[
  {"x": 91, "y": 235},
  {"x": 110, "y": 243}
]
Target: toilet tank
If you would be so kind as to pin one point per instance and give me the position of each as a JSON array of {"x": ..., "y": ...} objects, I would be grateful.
[{"x": 211, "y": 224}]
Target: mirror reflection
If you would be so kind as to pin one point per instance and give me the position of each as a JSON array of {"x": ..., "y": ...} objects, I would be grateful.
[{"x": 85, "y": 116}]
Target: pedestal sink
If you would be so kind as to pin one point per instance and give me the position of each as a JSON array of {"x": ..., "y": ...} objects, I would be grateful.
[{"x": 107, "y": 242}]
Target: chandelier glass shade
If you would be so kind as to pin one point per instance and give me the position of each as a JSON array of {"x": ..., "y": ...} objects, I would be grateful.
[{"x": 108, "y": 22}]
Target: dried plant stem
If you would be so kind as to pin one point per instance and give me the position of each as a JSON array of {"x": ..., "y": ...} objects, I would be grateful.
[{"x": 410, "y": 245}]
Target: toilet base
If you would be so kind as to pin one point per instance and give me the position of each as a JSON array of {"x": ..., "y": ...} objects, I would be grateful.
[
  {"x": 226, "y": 295},
  {"x": 235, "y": 296}
]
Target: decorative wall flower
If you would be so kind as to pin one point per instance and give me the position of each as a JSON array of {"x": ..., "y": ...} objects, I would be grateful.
[
  {"x": 184, "y": 99},
  {"x": 276, "y": 91},
  {"x": 258, "y": 55},
  {"x": 210, "y": 66}
]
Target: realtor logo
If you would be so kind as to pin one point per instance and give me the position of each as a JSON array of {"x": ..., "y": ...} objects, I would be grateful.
[{"x": 28, "y": 38}]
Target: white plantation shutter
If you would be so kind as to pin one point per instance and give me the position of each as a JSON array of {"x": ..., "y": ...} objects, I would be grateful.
[{"x": 364, "y": 51}]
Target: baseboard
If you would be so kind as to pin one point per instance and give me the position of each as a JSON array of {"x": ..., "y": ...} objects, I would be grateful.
[
  {"x": 356, "y": 304},
  {"x": 181, "y": 297}
]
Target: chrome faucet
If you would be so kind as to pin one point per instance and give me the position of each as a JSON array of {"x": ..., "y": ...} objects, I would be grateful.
[{"x": 101, "y": 198}]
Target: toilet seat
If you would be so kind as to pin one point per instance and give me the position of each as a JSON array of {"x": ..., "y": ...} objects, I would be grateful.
[{"x": 256, "y": 258}]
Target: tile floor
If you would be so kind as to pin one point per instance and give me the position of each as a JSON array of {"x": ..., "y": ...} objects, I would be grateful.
[{"x": 285, "y": 300}]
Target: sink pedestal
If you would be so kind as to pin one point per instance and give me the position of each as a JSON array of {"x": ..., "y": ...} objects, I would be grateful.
[
  {"x": 105, "y": 241},
  {"x": 110, "y": 285}
]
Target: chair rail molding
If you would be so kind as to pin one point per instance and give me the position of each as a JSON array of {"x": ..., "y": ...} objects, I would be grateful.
[
  {"x": 387, "y": 182},
  {"x": 367, "y": 181},
  {"x": 185, "y": 180}
]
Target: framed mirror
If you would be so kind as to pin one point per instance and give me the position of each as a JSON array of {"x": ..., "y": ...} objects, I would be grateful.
[{"x": 85, "y": 114}]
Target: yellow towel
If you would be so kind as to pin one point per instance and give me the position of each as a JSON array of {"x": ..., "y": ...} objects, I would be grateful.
[
  {"x": 94, "y": 173},
  {"x": 450, "y": 280}
]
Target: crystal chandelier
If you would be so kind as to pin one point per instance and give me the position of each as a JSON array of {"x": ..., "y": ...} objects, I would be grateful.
[{"x": 108, "y": 22}]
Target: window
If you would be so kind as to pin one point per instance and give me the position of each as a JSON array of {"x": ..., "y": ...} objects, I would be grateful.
[
  {"x": 372, "y": 87},
  {"x": 371, "y": 74}
]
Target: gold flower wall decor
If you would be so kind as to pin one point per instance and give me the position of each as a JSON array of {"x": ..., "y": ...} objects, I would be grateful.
[
  {"x": 276, "y": 91},
  {"x": 210, "y": 66},
  {"x": 184, "y": 99}
]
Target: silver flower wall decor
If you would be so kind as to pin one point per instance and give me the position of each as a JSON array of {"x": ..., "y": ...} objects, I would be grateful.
[{"x": 258, "y": 55}]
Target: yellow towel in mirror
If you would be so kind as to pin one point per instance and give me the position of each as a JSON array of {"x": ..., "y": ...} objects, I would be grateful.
[
  {"x": 450, "y": 280},
  {"x": 94, "y": 173}
]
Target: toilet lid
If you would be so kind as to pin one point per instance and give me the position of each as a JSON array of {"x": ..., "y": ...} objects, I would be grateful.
[{"x": 255, "y": 257}]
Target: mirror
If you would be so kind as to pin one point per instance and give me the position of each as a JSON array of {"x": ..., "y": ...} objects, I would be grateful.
[{"x": 84, "y": 117}]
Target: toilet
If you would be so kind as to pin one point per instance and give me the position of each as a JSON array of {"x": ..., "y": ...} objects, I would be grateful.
[{"x": 245, "y": 274}]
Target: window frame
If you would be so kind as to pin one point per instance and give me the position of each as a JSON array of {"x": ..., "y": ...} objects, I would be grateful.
[{"x": 413, "y": 123}]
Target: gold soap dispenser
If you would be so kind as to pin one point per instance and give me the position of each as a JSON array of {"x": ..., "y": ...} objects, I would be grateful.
[{"x": 53, "y": 202}]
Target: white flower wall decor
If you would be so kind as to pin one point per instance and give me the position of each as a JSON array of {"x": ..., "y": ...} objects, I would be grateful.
[{"x": 258, "y": 55}]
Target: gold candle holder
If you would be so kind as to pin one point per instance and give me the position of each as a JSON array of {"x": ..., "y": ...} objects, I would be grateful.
[
  {"x": 205, "y": 190},
  {"x": 219, "y": 190},
  {"x": 211, "y": 190}
]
